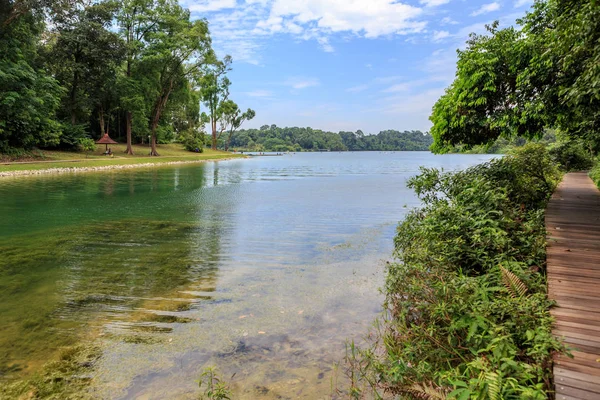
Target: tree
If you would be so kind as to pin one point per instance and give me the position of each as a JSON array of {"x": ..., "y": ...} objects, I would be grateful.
[
  {"x": 234, "y": 118},
  {"x": 176, "y": 51},
  {"x": 518, "y": 82},
  {"x": 215, "y": 91},
  {"x": 85, "y": 58},
  {"x": 29, "y": 97},
  {"x": 137, "y": 19}
]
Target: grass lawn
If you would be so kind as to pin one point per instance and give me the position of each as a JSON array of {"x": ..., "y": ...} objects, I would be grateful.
[{"x": 47, "y": 159}]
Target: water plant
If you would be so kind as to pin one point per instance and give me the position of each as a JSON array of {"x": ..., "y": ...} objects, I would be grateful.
[{"x": 214, "y": 387}]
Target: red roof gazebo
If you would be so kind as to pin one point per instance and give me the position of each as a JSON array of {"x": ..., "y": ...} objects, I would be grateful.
[{"x": 106, "y": 140}]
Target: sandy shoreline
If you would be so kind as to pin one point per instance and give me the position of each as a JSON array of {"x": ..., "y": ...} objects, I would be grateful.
[{"x": 70, "y": 170}]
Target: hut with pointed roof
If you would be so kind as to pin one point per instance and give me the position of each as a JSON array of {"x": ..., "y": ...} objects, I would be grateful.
[{"x": 106, "y": 140}]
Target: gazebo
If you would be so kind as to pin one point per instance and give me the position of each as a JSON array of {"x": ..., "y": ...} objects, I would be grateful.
[{"x": 106, "y": 140}]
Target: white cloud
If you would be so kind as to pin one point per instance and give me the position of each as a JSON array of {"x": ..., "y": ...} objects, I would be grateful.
[
  {"x": 201, "y": 6},
  {"x": 448, "y": 21},
  {"x": 521, "y": 3},
  {"x": 325, "y": 45},
  {"x": 440, "y": 35},
  {"x": 301, "y": 83},
  {"x": 356, "y": 89},
  {"x": 370, "y": 19},
  {"x": 241, "y": 27},
  {"x": 369, "y": 66},
  {"x": 259, "y": 93},
  {"x": 486, "y": 8},
  {"x": 434, "y": 3}
]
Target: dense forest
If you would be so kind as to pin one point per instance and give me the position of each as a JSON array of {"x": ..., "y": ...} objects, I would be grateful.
[
  {"x": 274, "y": 138},
  {"x": 73, "y": 70}
]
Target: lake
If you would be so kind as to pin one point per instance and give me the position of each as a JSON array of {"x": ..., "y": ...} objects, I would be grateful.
[{"x": 262, "y": 267}]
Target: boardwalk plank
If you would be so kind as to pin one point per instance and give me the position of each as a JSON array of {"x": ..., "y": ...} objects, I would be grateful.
[{"x": 573, "y": 267}]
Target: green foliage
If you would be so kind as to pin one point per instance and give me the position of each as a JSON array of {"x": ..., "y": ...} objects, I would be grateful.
[
  {"x": 467, "y": 310},
  {"x": 132, "y": 68},
  {"x": 274, "y": 138},
  {"x": 192, "y": 140},
  {"x": 518, "y": 81},
  {"x": 86, "y": 144},
  {"x": 215, "y": 388},
  {"x": 84, "y": 56},
  {"x": 29, "y": 97},
  {"x": 571, "y": 155},
  {"x": 595, "y": 174}
]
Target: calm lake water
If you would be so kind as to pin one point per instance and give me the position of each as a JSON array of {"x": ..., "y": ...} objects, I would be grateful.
[{"x": 262, "y": 267}]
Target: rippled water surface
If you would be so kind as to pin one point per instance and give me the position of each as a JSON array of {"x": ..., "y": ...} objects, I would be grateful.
[{"x": 262, "y": 267}]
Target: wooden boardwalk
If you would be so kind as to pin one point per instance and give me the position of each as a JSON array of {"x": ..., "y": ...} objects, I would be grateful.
[{"x": 573, "y": 224}]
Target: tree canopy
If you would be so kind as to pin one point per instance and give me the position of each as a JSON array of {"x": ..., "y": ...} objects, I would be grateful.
[
  {"x": 72, "y": 70},
  {"x": 274, "y": 138},
  {"x": 516, "y": 82}
]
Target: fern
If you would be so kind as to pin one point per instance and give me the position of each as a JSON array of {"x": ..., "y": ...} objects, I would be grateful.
[
  {"x": 423, "y": 391},
  {"x": 492, "y": 379},
  {"x": 515, "y": 286}
]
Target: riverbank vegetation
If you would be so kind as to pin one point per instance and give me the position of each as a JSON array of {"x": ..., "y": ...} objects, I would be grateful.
[
  {"x": 51, "y": 159},
  {"x": 274, "y": 138},
  {"x": 467, "y": 313},
  {"x": 140, "y": 70},
  {"x": 466, "y": 310}
]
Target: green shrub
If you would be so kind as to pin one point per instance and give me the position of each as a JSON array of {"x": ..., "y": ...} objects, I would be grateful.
[
  {"x": 595, "y": 174},
  {"x": 467, "y": 315},
  {"x": 86, "y": 144},
  {"x": 571, "y": 155},
  {"x": 71, "y": 135},
  {"x": 192, "y": 140}
]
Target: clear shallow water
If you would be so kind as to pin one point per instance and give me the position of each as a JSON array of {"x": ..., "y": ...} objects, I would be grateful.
[{"x": 262, "y": 267}]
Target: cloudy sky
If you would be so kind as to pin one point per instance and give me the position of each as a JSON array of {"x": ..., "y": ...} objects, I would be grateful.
[{"x": 345, "y": 64}]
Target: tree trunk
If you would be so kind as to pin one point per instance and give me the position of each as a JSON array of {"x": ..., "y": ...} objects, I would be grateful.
[
  {"x": 214, "y": 134},
  {"x": 101, "y": 118},
  {"x": 128, "y": 117},
  {"x": 129, "y": 149},
  {"x": 72, "y": 97},
  {"x": 228, "y": 141},
  {"x": 160, "y": 105},
  {"x": 155, "y": 120},
  {"x": 153, "y": 151}
]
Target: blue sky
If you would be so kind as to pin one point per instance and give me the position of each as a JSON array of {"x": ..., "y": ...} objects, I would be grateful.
[{"x": 345, "y": 64}]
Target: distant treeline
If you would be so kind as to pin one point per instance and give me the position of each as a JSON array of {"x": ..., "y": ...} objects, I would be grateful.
[{"x": 274, "y": 138}]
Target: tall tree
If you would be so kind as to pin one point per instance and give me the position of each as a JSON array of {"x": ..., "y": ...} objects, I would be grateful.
[
  {"x": 517, "y": 82},
  {"x": 233, "y": 118},
  {"x": 176, "y": 52},
  {"x": 29, "y": 97},
  {"x": 214, "y": 89},
  {"x": 137, "y": 19},
  {"x": 85, "y": 57}
]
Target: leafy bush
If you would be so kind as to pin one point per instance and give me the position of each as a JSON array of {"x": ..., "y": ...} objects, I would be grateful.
[
  {"x": 192, "y": 140},
  {"x": 595, "y": 174},
  {"x": 72, "y": 134},
  {"x": 88, "y": 145},
  {"x": 467, "y": 315},
  {"x": 571, "y": 155}
]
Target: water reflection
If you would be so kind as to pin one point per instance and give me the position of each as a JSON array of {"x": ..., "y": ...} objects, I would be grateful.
[{"x": 61, "y": 282}]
